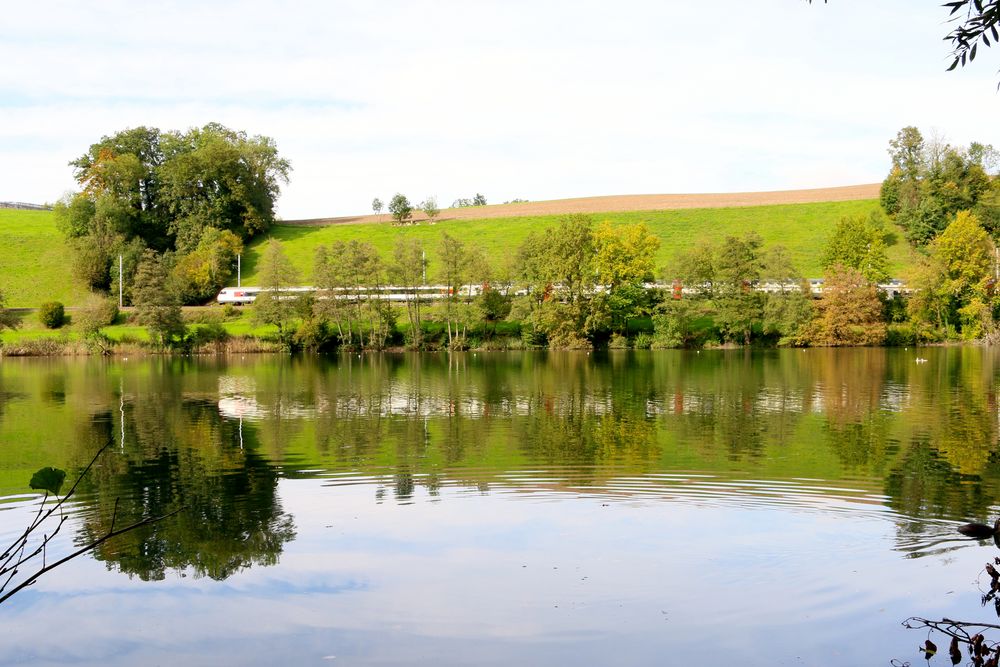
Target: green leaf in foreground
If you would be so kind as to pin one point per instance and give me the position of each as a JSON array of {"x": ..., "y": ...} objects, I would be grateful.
[{"x": 48, "y": 479}]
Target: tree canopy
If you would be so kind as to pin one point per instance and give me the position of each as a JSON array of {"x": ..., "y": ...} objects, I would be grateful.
[{"x": 166, "y": 190}]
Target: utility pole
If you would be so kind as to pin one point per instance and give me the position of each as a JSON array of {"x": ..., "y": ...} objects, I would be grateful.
[
  {"x": 239, "y": 267},
  {"x": 120, "y": 273},
  {"x": 423, "y": 264}
]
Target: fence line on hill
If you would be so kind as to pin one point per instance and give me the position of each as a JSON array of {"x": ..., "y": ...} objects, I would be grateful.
[{"x": 25, "y": 206}]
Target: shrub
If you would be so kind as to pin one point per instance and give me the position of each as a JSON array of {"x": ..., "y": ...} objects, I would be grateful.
[
  {"x": 898, "y": 335},
  {"x": 618, "y": 342},
  {"x": 52, "y": 315},
  {"x": 96, "y": 312},
  {"x": 643, "y": 341},
  {"x": 312, "y": 334}
]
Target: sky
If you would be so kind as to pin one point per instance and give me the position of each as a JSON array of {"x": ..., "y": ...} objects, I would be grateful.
[{"x": 538, "y": 99}]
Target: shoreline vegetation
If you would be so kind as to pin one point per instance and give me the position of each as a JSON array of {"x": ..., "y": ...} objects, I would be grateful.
[{"x": 163, "y": 219}]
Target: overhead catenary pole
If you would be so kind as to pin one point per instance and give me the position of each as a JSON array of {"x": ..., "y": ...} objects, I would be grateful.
[
  {"x": 120, "y": 273},
  {"x": 239, "y": 277}
]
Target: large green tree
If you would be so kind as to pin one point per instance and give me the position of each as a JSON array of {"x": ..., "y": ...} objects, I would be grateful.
[
  {"x": 738, "y": 304},
  {"x": 166, "y": 191},
  {"x": 955, "y": 285},
  {"x": 932, "y": 181},
  {"x": 858, "y": 243}
]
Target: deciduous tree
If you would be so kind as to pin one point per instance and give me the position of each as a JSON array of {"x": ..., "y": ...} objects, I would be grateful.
[
  {"x": 849, "y": 313},
  {"x": 273, "y": 304},
  {"x": 400, "y": 208},
  {"x": 407, "y": 270},
  {"x": 857, "y": 243}
]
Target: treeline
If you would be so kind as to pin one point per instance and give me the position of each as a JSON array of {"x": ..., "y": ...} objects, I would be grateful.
[
  {"x": 577, "y": 285},
  {"x": 178, "y": 206}
]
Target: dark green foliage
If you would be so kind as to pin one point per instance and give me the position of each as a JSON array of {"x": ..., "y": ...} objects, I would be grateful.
[
  {"x": 143, "y": 188},
  {"x": 787, "y": 316},
  {"x": 201, "y": 273},
  {"x": 674, "y": 324},
  {"x": 400, "y": 208},
  {"x": 209, "y": 332},
  {"x": 495, "y": 305},
  {"x": 312, "y": 334},
  {"x": 889, "y": 195},
  {"x": 48, "y": 479},
  {"x": 157, "y": 305},
  {"x": 930, "y": 183},
  {"x": 738, "y": 305},
  {"x": 52, "y": 315},
  {"x": 979, "y": 27}
]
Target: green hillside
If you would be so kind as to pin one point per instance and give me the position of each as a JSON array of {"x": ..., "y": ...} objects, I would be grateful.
[
  {"x": 802, "y": 228},
  {"x": 35, "y": 264}
]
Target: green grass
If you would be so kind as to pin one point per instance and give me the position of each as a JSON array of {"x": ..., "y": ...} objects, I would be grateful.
[
  {"x": 35, "y": 263},
  {"x": 802, "y": 228}
]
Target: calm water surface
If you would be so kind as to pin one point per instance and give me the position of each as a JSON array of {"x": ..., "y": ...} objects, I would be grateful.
[{"x": 762, "y": 508}]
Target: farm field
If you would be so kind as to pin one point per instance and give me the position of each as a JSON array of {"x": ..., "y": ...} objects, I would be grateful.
[
  {"x": 35, "y": 262},
  {"x": 620, "y": 203},
  {"x": 802, "y": 228}
]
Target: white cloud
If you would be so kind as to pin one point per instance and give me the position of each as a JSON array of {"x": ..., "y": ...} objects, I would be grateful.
[{"x": 513, "y": 98}]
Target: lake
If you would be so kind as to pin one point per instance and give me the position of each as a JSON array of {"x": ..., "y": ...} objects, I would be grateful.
[{"x": 630, "y": 508}]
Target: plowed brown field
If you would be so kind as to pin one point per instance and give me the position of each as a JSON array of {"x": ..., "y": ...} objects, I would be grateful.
[{"x": 614, "y": 203}]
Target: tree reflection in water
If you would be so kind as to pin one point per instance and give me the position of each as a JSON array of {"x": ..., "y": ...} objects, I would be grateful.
[{"x": 182, "y": 453}]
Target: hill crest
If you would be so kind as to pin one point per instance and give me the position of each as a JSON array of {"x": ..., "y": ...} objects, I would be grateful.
[{"x": 621, "y": 203}]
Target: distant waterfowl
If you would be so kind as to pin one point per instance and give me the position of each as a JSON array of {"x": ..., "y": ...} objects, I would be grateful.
[
  {"x": 980, "y": 530},
  {"x": 921, "y": 360}
]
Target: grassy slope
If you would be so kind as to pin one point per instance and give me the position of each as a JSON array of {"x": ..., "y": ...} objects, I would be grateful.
[
  {"x": 34, "y": 260},
  {"x": 802, "y": 228},
  {"x": 35, "y": 263}
]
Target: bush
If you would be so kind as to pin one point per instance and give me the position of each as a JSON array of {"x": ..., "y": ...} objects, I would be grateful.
[
  {"x": 618, "y": 342},
  {"x": 643, "y": 341},
  {"x": 899, "y": 335},
  {"x": 96, "y": 312},
  {"x": 200, "y": 335},
  {"x": 312, "y": 334},
  {"x": 52, "y": 315}
]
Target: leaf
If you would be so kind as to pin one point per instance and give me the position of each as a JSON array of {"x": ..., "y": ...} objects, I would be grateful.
[
  {"x": 48, "y": 479},
  {"x": 972, "y": 54}
]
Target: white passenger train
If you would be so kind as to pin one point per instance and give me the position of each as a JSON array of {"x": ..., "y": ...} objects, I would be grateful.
[{"x": 245, "y": 295}]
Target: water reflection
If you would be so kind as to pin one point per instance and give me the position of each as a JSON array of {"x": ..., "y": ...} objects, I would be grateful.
[{"x": 217, "y": 435}]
